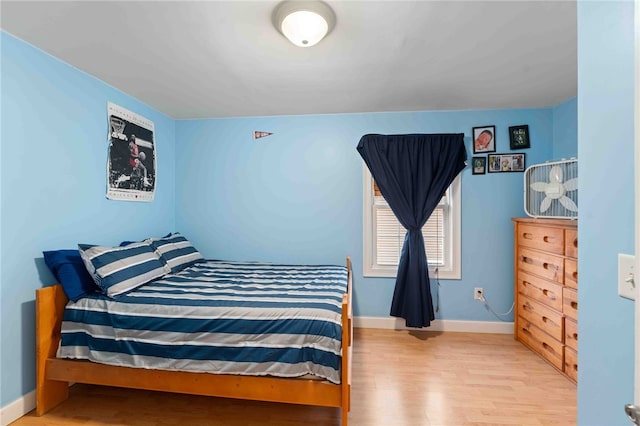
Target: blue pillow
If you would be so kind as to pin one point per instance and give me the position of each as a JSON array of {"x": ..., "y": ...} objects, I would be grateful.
[
  {"x": 117, "y": 270},
  {"x": 68, "y": 268},
  {"x": 176, "y": 251}
]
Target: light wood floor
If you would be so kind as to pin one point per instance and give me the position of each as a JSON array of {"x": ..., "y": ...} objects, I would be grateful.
[{"x": 400, "y": 378}]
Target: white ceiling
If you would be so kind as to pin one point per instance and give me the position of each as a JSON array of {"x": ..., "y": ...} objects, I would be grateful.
[{"x": 199, "y": 59}]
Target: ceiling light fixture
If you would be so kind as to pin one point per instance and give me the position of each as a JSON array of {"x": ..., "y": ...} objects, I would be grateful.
[{"x": 304, "y": 23}]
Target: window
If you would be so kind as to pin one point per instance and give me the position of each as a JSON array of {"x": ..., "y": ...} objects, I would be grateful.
[{"x": 384, "y": 236}]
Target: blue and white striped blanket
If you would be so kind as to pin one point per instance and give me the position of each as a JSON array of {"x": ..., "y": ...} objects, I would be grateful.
[{"x": 219, "y": 317}]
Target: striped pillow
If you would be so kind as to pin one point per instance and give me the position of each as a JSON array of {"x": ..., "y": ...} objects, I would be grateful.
[
  {"x": 176, "y": 251},
  {"x": 117, "y": 270}
]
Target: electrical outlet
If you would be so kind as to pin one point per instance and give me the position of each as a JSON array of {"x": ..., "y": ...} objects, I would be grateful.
[{"x": 478, "y": 293}]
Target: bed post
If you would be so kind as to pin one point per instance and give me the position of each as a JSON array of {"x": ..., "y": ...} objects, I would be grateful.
[
  {"x": 347, "y": 346},
  {"x": 50, "y": 302}
]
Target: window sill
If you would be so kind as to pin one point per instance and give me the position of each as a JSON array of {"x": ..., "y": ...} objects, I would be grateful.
[{"x": 391, "y": 273}]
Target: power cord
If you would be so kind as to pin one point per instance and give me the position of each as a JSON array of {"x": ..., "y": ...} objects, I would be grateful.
[
  {"x": 498, "y": 315},
  {"x": 437, "y": 274}
]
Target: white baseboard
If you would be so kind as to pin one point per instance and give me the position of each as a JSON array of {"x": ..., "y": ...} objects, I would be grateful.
[
  {"x": 22, "y": 406},
  {"x": 389, "y": 323},
  {"x": 18, "y": 408}
]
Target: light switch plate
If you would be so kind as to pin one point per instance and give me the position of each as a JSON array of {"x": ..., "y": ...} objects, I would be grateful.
[{"x": 626, "y": 276}]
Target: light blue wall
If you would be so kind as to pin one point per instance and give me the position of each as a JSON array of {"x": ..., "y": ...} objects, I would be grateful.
[
  {"x": 296, "y": 196},
  {"x": 1, "y": 312},
  {"x": 565, "y": 129},
  {"x": 53, "y": 177},
  {"x": 606, "y": 170}
]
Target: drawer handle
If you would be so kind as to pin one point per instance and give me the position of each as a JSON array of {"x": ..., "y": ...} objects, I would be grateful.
[
  {"x": 551, "y": 295},
  {"x": 547, "y": 347},
  {"x": 526, "y": 259},
  {"x": 548, "y": 239},
  {"x": 526, "y": 331},
  {"x": 574, "y": 305},
  {"x": 546, "y": 265},
  {"x": 527, "y": 236},
  {"x": 546, "y": 292},
  {"x": 527, "y": 306},
  {"x": 575, "y": 336},
  {"x": 575, "y": 275},
  {"x": 575, "y": 242},
  {"x": 549, "y": 320}
]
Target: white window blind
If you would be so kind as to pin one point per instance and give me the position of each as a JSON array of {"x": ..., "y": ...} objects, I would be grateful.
[
  {"x": 384, "y": 236},
  {"x": 390, "y": 235}
]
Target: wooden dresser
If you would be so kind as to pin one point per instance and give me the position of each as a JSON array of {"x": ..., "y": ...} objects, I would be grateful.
[{"x": 546, "y": 290}]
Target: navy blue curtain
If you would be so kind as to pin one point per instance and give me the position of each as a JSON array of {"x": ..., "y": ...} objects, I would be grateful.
[{"x": 413, "y": 172}]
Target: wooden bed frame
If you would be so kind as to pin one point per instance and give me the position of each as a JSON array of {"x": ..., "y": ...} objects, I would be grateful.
[{"x": 54, "y": 375}]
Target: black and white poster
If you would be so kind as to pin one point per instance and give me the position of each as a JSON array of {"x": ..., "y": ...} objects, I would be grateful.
[{"x": 131, "y": 166}]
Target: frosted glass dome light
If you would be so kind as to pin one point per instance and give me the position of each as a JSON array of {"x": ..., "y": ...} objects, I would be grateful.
[{"x": 304, "y": 23}]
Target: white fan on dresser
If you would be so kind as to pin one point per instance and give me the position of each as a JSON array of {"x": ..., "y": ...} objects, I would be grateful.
[{"x": 551, "y": 189}]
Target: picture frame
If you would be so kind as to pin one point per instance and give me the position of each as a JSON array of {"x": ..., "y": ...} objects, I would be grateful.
[
  {"x": 519, "y": 137},
  {"x": 483, "y": 139},
  {"x": 511, "y": 162},
  {"x": 479, "y": 165}
]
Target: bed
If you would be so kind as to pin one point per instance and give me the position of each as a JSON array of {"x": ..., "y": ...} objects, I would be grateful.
[{"x": 319, "y": 386}]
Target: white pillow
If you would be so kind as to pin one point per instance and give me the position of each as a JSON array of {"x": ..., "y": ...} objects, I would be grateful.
[
  {"x": 117, "y": 270},
  {"x": 176, "y": 251}
]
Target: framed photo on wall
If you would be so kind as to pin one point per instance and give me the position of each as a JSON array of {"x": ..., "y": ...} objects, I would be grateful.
[
  {"x": 511, "y": 162},
  {"x": 519, "y": 137},
  {"x": 484, "y": 139},
  {"x": 479, "y": 165}
]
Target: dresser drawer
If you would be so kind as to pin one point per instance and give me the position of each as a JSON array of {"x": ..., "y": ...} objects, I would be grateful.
[
  {"x": 543, "y": 317},
  {"x": 542, "y": 264},
  {"x": 571, "y": 363},
  {"x": 571, "y": 273},
  {"x": 543, "y": 291},
  {"x": 571, "y": 333},
  {"x": 539, "y": 341},
  {"x": 571, "y": 243},
  {"x": 570, "y": 303},
  {"x": 541, "y": 238}
]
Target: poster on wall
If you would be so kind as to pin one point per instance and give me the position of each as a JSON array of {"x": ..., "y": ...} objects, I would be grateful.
[{"x": 131, "y": 164}]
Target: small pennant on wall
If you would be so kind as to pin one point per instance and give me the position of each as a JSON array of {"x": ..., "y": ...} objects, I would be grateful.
[{"x": 258, "y": 135}]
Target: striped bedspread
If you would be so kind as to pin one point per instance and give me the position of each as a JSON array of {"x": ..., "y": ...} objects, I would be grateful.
[{"x": 219, "y": 317}]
